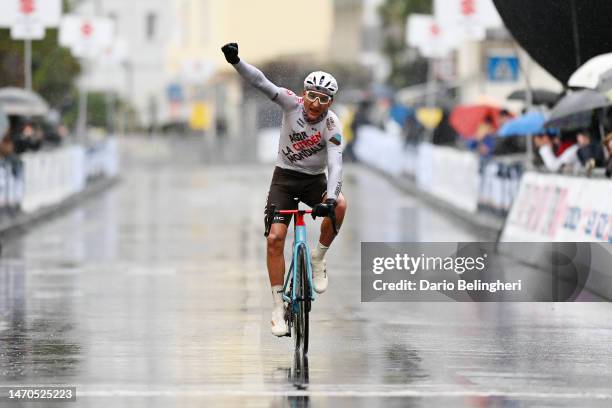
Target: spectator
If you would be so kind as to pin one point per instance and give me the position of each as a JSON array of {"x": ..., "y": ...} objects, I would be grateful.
[
  {"x": 553, "y": 160},
  {"x": 564, "y": 141},
  {"x": 414, "y": 131},
  {"x": 6, "y": 145},
  {"x": 607, "y": 120},
  {"x": 489, "y": 144},
  {"x": 590, "y": 154},
  {"x": 484, "y": 142},
  {"x": 607, "y": 142},
  {"x": 53, "y": 133},
  {"x": 444, "y": 133},
  {"x": 24, "y": 135},
  {"x": 504, "y": 117},
  {"x": 361, "y": 118},
  {"x": 16, "y": 134},
  {"x": 221, "y": 127},
  {"x": 7, "y": 152},
  {"x": 400, "y": 113},
  {"x": 508, "y": 144}
]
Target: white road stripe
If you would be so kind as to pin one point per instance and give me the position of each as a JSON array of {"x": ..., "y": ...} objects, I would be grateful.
[
  {"x": 337, "y": 393},
  {"x": 231, "y": 390}
]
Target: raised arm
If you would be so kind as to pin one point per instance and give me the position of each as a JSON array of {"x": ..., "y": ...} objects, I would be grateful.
[
  {"x": 281, "y": 96},
  {"x": 553, "y": 163}
]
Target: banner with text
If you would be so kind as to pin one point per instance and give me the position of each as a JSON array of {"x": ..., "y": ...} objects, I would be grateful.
[{"x": 559, "y": 208}]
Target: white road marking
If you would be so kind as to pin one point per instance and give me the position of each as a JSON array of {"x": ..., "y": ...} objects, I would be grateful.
[
  {"x": 149, "y": 393},
  {"x": 318, "y": 390}
]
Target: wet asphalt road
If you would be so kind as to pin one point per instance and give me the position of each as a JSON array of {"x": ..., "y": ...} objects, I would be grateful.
[{"x": 155, "y": 294}]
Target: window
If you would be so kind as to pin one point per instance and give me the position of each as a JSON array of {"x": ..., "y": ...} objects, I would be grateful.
[{"x": 151, "y": 26}]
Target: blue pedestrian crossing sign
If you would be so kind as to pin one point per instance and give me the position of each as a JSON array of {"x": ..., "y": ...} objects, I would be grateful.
[{"x": 502, "y": 68}]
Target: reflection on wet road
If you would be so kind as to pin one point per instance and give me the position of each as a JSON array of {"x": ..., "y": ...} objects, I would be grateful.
[{"x": 155, "y": 294}]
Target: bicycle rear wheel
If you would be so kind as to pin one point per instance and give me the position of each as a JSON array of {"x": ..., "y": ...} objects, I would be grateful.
[{"x": 302, "y": 304}]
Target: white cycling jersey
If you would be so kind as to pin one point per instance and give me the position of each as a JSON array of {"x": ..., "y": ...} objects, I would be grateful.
[{"x": 304, "y": 146}]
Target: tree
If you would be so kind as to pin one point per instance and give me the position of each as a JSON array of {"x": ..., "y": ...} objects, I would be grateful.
[
  {"x": 406, "y": 69},
  {"x": 54, "y": 70}
]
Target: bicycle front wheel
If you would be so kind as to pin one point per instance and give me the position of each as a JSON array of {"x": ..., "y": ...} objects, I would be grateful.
[{"x": 302, "y": 306}]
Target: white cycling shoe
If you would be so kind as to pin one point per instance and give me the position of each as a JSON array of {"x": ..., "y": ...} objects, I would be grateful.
[
  {"x": 278, "y": 325},
  {"x": 319, "y": 275}
]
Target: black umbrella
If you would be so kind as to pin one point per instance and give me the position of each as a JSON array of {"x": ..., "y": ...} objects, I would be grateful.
[
  {"x": 560, "y": 35},
  {"x": 538, "y": 96},
  {"x": 575, "y": 110}
]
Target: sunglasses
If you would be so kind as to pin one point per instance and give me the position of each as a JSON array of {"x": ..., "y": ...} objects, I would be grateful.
[{"x": 313, "y": 96}]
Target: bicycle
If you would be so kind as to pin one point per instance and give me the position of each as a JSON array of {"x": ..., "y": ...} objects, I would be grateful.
[{"x": 297, "y": 290}]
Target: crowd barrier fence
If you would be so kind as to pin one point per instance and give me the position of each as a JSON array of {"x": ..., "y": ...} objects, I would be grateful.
[
  {"x": 39, "y": 179},
  {"x": 455, "y": 176}
]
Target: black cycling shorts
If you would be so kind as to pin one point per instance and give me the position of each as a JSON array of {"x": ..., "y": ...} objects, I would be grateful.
[{"x": 287, "y": 184}]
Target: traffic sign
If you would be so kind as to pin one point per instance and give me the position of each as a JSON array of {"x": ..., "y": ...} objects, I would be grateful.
[
  {"x": 466, "y": 19},
  {"x": 502, "y": 68},
  {"x": 86, "y": 37},
  {"x": 28, "y": 31},
  {"x": 428, "y": 36},
  {"x": 31, "y": 12}
]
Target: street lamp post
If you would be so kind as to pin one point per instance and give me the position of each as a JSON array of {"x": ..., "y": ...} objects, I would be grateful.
[{"x": 28, "y": 64}]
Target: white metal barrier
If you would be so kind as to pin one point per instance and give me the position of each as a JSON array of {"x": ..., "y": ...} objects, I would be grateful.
[
  {"x": 455, "y": 176},
  {"x": 381, "y": 150},
  {"x": 498, "y": 184},
  {"x": 449, "y": 174},
  {"x": 45, "y": 178}
]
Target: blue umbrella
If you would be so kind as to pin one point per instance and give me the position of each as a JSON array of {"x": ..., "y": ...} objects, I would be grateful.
[{"x": 531, "y": 123}]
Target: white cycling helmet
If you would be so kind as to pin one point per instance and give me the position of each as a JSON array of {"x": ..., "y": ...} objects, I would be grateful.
[{"x": 322, "y": 82}]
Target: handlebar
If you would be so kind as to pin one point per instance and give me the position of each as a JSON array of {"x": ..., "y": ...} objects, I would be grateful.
[
  {"x": 274, "y": 211},
  {"x": 293, "y": 211}
]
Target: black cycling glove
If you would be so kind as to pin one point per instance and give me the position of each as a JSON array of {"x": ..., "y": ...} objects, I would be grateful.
[
  {"x": 230, "y": 50},
  {"x": 323, "y": 210}
]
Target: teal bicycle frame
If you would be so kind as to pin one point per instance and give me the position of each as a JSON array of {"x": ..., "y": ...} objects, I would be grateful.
[{"x": 299, "y": 240}]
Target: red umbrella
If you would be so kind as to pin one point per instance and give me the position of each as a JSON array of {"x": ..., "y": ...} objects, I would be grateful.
[{"x": 466, "y": 119}]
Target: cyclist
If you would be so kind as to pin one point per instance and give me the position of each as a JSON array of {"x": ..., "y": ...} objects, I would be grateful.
[{"x": 310, "y": 140}]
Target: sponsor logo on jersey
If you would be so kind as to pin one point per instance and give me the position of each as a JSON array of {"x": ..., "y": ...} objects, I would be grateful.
[
  {"x": 298, "y": 136},
  {"x": 301, "y": 122},
  {"x": 309, "y": 142},
  {"x": 330, "y": 123},
  {"x": 336, "y": 139},
  {"x": 293, "y": 156}
]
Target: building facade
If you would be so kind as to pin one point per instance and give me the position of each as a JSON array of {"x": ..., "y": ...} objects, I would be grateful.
[
  {"x": 141, "y": 76},
  {"x": 356, "y": 37},
  {"x": 174, "y": 59}
]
